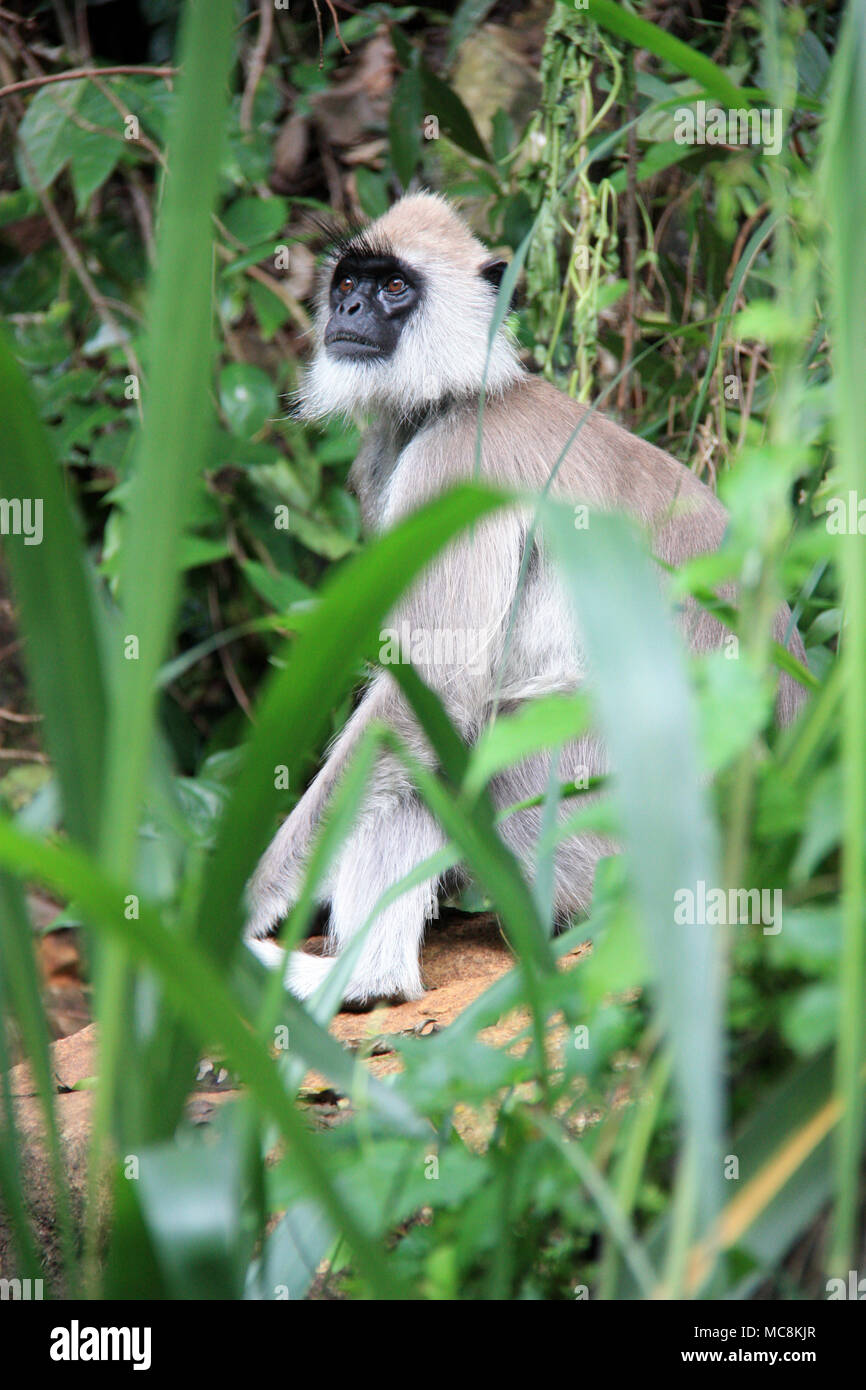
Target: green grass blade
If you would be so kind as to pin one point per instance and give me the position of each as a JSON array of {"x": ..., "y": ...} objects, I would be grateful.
[
  {"x": 178, "y": 418},
  {"x": 784, "y": 1179},
  {"x": 58, "y": 607},
  {"x": 12, "y": 1201},
  {"x": 198, "y": 993},
  {"x": 616, "y": 1218},
  {"x": 19, "y": 990},
  {"x": 471, "y": 825},
  {"x": 178, "y": 413},
  {"x": 642, "y": 34},
  {"x": 845, "y": 199},
  {"x": 649, "y": 726}
]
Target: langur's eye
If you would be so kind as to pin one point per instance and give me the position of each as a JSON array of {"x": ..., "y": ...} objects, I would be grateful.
[
  {"x": 396, "y": 285},
  {"x": 346, "y": 285}
]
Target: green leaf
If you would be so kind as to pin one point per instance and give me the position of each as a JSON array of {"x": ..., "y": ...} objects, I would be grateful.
[
  {"x": 198, "y": 550},
  {"x": 813, "y": 63},
  {"x": 197, "y": 991},
  {"x": 171, "y": 455},
  {"x": 810, "y": 939},
  {"x": 291, "y": 1252},
  {"x": 372, "y": 192},
  {"x": 661, "y": 155},
  {"x": 784, "y": 1177},
  {"x": 56, "y": 132},
  {"x": 467, "y": 17},
  {"x": 280, "y": 591},
  {"x": 79, "y": 424},
  {"x": 538, "y": 724},
  {"x": 404, "y": 126},
  {"x": 251, "y": 219},
  {"x": 270, "y": 310},
  {"x": 454, "y": 119},
  {"x": 809, "y": 1018},
  {"x": 43, "y": 339},
  {"x": 844, "y": 196},
  {"x": 226, "y": 451},
  {"x": 44, "y": 134},
  {"x": 58, "y": 606},
  {"x": 649, "y": 726},
  {"x": 735, "y": 704},
  {"x": 248, "y": 399},
  {"x": 642, "y": 34},
  {"x": 95, "y": 155},
  {"x": 320, "y": 536},
  {"x": 17, "y": 205},
  {"x": 190, "y": 1200}
]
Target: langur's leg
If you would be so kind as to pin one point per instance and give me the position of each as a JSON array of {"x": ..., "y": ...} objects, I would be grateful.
[
  {"x": 391, "y": 838},
  {"x": 577, "y": 856},
  {"x": 274, "y": 888}
]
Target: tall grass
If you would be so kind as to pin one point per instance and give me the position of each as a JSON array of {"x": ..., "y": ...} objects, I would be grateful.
[
  {"x": 171, "y": 980},
  {"x": 845, "y": 182}
]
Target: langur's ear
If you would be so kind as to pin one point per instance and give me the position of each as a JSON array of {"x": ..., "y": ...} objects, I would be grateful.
[{"x": 493, "y": 271}]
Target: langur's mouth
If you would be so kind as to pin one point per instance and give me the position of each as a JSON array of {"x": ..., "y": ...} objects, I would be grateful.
[{"x": 342, "y": 342}]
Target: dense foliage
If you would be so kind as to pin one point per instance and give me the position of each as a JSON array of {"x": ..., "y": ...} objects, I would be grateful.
[{"x": 685, "y": 1105}]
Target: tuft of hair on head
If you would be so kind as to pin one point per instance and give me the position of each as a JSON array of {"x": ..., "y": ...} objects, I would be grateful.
[
  {"x": 332, "y": 237},
  {"x": 444, "y": 352}
]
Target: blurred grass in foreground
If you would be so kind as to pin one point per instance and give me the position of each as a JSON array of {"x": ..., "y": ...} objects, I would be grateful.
[{"x": 517, "y": 1218}]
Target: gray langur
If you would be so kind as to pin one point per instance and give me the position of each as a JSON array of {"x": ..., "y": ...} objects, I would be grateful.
[{"x": 402, "y": 339}]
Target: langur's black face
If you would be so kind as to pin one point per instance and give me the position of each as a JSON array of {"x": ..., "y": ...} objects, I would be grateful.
[{"x": 371, "y": 297}]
